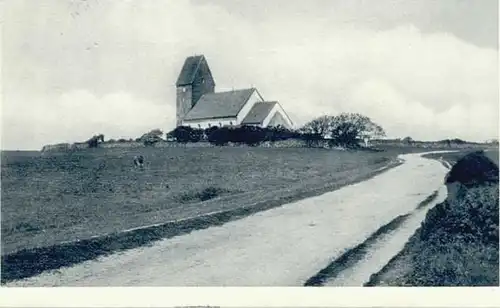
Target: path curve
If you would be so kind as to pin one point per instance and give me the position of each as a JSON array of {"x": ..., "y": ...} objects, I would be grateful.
[{"x": 283, "y": 246}]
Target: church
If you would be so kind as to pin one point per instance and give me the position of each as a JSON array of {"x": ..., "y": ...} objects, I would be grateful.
[{"x": 199, "y": 106}]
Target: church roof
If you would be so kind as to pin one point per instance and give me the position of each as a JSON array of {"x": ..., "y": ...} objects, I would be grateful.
[
  {"x": 258, "y": 113},
  {"x": 189, "y": 69},
  {"x": 220, "y": 105}
]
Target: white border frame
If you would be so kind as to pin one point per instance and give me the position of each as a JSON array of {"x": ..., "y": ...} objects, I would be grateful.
[{"x": 251, "y": 297}]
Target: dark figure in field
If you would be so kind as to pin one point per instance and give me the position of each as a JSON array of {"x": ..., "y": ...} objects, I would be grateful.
[{"x": 139, "y": 161}]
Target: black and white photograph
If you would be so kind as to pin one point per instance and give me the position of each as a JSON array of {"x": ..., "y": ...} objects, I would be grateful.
[{"x": 231, "y": 143}]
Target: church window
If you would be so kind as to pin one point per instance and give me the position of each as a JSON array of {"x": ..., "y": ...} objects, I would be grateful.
[
  {"x": 183, "y": 90},
  {"x": 199, "y": 126},
  {"x": 230, "y": 122}
]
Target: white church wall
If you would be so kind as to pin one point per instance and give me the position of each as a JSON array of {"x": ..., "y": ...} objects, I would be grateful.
[
  {"x": 254, "y": 98},
  {"x": 285, "y": 115},
  {"x": 277, "y": 109},
  {"x": 206, "y": 123}
]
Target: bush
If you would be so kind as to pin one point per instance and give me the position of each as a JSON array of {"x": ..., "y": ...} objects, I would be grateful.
[
  {"x": 208, "y": 193},
  {"x": 458, "y": 141},
  {"x": 474, "y": 168},
  {"x": 95, "y": 140},
  {"x": 280, "y": 133},
  {"x": 407, "y": 140},
  {"x": 246, "y": 134},
  {"x": 474, "y": 214},
  {"x": 250, "y": 135},
  {"x": 185, "y": 134},
  {"x": 457, "y": 244},
  {"x": 150, "y": 138},
  {"x": 219, "y": 136},
  {"x": 458, "y": 263},
  {"x": 208, "y": 131},
  {"x": 311, "y": 138}
]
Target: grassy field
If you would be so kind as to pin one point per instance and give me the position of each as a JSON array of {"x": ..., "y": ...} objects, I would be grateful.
[
  {"x": 453, "y": 157},
  {"x": 51, "y": 198}
]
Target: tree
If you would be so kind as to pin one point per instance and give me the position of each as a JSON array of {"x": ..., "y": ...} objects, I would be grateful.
[
  {"x": 320, "y": 126},
  {"x": 348, "y": 129}
]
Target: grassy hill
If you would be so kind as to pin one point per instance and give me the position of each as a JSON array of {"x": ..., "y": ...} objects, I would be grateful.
[{"x": 56, "y": 197}]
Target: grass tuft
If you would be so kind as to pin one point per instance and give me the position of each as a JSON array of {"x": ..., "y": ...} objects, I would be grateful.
[{"x": 205, "y": 194}]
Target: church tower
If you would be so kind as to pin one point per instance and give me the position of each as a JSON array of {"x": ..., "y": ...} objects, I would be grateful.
[{"x": 195, "y": 79}]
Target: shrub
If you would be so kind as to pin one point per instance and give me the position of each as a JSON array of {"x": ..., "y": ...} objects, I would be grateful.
[
  {"x": 474, "y": 214},
  {"x": 219, "y": 136},
  {"x": 458, "y": 141},
  {"x": 208, "y": 131},
  {"x": 474, "y": 168},
  {"x": 458, "y": 242},
  {"x": 150, "y": 138},
  {"x": 278, "y": 133},
  {"x": 246, "y": 134},
  {"x": 185, "y": 134},
  {"x": 251, "y": 135},
  {"x": 207, "y": 193},
  {"x": 457, "y": 263},
  {"x": 311, "y": 138},
  {"x": 95, "y": 140},
  {"x": 407, "y": 140}
]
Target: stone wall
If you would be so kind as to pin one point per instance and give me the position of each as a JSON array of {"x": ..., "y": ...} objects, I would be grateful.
[
  {"x": 128, "y": 144},
  {"x": 56, "y": 147},
  {"x": 290, "y": 143}
]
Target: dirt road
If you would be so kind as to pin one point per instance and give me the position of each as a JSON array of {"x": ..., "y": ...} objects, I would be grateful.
[{"x": 284, "y": 246}]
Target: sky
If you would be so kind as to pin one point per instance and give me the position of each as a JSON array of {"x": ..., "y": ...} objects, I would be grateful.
[{"x": 75, "y": 68}]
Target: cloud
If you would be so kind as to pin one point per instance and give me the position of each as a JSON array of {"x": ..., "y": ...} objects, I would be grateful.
[
  {"x": 77, "y": 115},
  {"x": 123, "y": 58}
]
